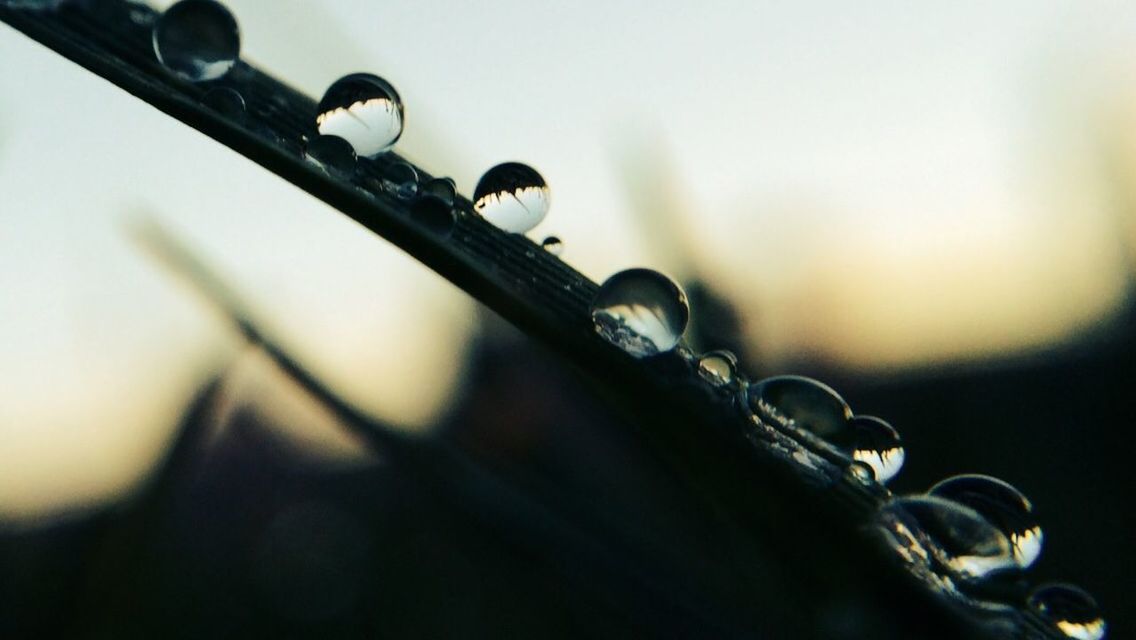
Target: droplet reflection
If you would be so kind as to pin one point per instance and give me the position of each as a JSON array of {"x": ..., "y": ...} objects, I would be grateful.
[
  {"x": 197, "y": 39},
  {"x": 719, "y": 368},
  {"x": 364, "y": 110},
  {"x": 640, "y": 311},
  {"x": 512, "y": 197},
  {"x": 958, "y": 537},
  {"x": 801, "y": 402},
  {"x": 877, "y": 444},
  {"x": 1070, "y": 609},
  {"x": 1003, "y": 505}
]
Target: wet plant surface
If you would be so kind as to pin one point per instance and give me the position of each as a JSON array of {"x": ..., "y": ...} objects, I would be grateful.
[{"x": 654, "y": 491}]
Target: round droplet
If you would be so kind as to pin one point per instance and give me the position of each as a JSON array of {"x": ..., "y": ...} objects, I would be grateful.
[
  {"x": 877, "y": 444},
  {"x": 197, "y": 39},
  {"x": 512, "y": 196},
  {"x": 401, "y": 181},
  {"x": 803, "y": 402},
  {"x": 434, "y": 208},
  {"x": 332, "y": 154},
  {"x": 227, "y": 102},
  {"x": 958, "y": 537},
  {"x": 640, "y": 311},
  {"x": 1070, "y": 609},
  {"x": 364, "y": 110},
  {"x": 861, "y": 472},
  {"x": 718, "y": 367},
  {"x": 553, "y": 245},
  {"x": 1003, "y": 505}
]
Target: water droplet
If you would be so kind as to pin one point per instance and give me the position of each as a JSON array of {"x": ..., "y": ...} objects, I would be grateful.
[
  {"x": 197, "y": 39},
  {"x": 640, "y": 311},
  {"x": 877, "y": 444},
  {"x": 803, "y": 402},
  {"x": 1070, "y": 609},
  {"x": 958, "y": 537},
  {"x": 718, "y": 367},
  {"x": 434, "y": 207},
  {"x": 553, "y": 245},
  {"x": 862, "y": 472},
  {"x": 228, "y": 102},
  {"x": 401, "y": 180},
  {"x": 512, "y": 196},
  {"x": 363, "y": 109},
  {"x": 332, "y": 154},
  {"x": 1003, "y": 505}
]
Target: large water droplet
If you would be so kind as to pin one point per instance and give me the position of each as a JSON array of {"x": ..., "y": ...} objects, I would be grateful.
[
  {"x": 877, "y": 444},
  {"x": 640, "y": 311},
  {"x": 1003, "y": 505},
  {"x": 803, "y": 402},
  {"x": 957, "y": 536},
  {"x": 228, "y": 102},
  {"x": 512, "y": 196},
  {"x": 718, "y": 367},
  {"x": 332, "y": 154},
  {"x": 197, "y": 39},
  {"x": 1070, "y": 609},
  {"x": 553, "y": 245},
  {"x": 364, "y": 110},
  {"x": 401, "y": 181}
]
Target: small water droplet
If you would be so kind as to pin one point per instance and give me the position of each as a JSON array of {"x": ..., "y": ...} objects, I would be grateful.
[
  {"x": 363, "y": 109},
  {"x": 875, "y": 443},
  {"x": 553, "y": 245},
  {"x": 512, "y": 197},
  {"x": 401, "y": 180},
  {"x": 718, "y": 367},
  {"x": 1003, "y": 505},
  {"x": 958, "y": 537},
  {"x": 803, "y": 402},
  {"x": 434, "y": 207},
  {"x": 1070, "y": 609},
  {"x": 197, "y": 39},
  {"x": 332, "y": 154},
  {"x": 862, "y": 472},
  {"x": 227, "y": 102},
  {"x": 640, "y": 311}
]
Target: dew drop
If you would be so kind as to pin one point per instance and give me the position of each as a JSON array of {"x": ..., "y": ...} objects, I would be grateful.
[
  {"x": 718, "y": 367},
  {"x": 512, "y": 197},
  {"x": 803, "y": 402},
  {"x": 401, "y": 181},
  {"x": 197, "y": 39},
  {"x": 434, "y": 208},
  {"x": 1071, "y": 609},
  {"x": 332, "y": 154},
  {"x": 861, "y": 472},
  {"x": 640, "y": 311},
  {"x": 553, "y": 245},
  {"x": 958, "y": 537},
  {"x": 877, "y": 444},
  {"x": 1003, "y": 505},
  {"x": 363, "y": 109},
  {"x": 227, "y": 102}
]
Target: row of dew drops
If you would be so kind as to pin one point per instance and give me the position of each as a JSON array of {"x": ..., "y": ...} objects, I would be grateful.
[{"x": 964, "y": 530}]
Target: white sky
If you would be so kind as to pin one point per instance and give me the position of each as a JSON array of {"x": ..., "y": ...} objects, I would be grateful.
[{"x": 884, "y": 183}]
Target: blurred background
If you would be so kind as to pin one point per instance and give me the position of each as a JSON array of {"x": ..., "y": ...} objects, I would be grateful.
[{"x": 933, "y": 208}]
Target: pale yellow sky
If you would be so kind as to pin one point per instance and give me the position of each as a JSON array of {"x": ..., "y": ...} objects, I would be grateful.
[{"x": 884, "y": 183}]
